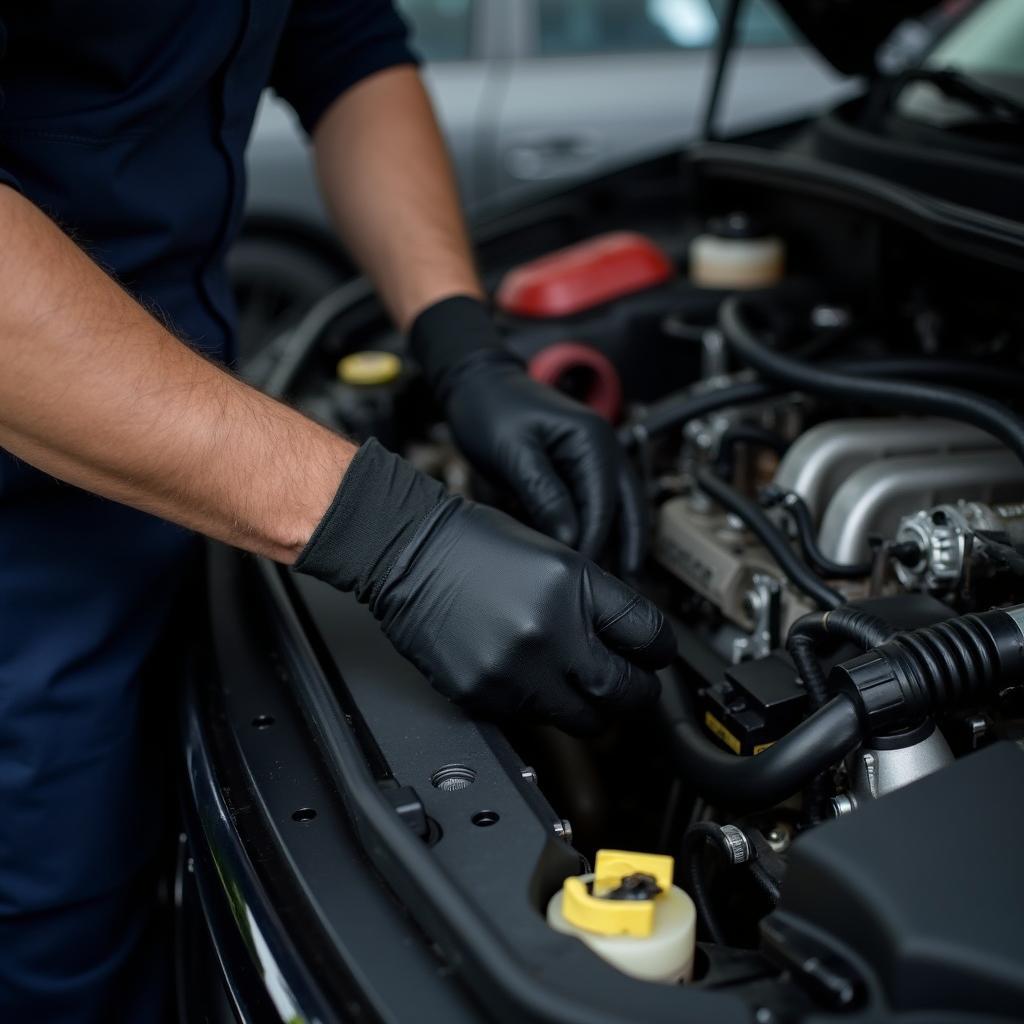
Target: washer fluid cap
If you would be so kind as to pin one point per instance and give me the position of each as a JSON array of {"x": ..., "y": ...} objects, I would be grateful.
[
  {"x": 630, "y": 914},
  {"x": 368, "y": 369}
]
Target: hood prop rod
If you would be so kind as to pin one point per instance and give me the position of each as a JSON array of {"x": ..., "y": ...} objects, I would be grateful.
[{"x": 723, "y": 50}]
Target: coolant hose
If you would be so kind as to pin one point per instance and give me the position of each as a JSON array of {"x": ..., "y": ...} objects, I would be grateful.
[
  {"x": 897, "y": 684},
  {"x": 696, "y": 837},
  {"x": 907, "y": 396},
  {"x": 770, "y": 536},
  {"x": 784, "y": 768}
]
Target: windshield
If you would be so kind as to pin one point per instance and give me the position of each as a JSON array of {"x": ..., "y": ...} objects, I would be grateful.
[{"x": 987, "y": 46}]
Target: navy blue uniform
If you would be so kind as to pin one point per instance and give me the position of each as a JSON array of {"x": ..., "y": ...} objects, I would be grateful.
[{"x": 126, "y": 121}]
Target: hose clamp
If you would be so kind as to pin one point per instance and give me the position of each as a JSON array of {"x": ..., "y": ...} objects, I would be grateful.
[
  {"x": 1017, "y": 614},
  {"x": 737, "y": 844}
]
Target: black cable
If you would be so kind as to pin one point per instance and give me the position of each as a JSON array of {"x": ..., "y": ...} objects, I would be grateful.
[
  {"x": 798, "y": 511},
  {"x": 907, "y": 396},
  {"x": 770, "y": 536}
]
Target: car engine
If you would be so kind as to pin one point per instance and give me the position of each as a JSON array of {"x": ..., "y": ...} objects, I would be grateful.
[{"x": 819, "y": 385}]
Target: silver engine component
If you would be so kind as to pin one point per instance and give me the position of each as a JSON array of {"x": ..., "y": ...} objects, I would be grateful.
[
  {"x": 876, "y": 771},
  {"x": 717, "y": 558},
  {"x": 874, "y": 498},
  {"x": 943, "y": 536},
  {"x": 822, "y": 458}
]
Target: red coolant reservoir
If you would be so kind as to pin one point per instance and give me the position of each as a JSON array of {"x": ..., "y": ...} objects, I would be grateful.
[{"x": 584, "y": 275}]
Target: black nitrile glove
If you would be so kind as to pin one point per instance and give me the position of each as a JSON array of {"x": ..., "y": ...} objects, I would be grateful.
[
  {"x": 561, "y": 459},
  {"x": 499, "y": 618}
]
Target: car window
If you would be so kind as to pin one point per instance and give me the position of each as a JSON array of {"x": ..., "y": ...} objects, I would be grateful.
[
  {"x": 570, "y": 28},
  {"x": 441, "y": 29}
]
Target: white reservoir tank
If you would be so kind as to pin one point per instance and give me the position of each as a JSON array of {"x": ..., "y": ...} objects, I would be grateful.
[{"x": 631, "y": 915}]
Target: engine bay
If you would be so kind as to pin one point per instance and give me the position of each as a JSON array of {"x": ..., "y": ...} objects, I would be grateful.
[{"x": 819, "y": 383}]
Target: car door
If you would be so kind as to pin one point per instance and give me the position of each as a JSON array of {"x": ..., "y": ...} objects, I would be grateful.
[
  {"x": 604, "y": 82},
  {"x": 450, "y": 35},
  {"x": 282, "y": 185}
]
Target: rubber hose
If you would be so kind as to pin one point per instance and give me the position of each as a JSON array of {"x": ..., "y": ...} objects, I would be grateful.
[
  {"x": 750, "y": 434},
  {"x": 771, "y": 537},
  {"x": 805, "y": 635},
  {"x": 784, "y": 768},
  {"x": 860, "y": 627},
  {"x": 766, "y": 883},
  {"x": 907, "y": 396},
  {"x": 914, "y": 674},
  {"x": 696, "y": 837},
  {"x": 676, "y": 410},
  {"x": 792, "y": 503}
]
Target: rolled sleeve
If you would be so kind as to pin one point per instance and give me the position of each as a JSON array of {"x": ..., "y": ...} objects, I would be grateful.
[{"x": 329, "y": 45}]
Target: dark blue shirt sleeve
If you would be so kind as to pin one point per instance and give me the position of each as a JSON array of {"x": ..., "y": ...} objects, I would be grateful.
[
  {"x": 5, "y": 177},
  {"x": 329, "y": 45}
]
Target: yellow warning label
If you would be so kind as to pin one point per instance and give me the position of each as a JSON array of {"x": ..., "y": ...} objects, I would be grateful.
[
  {"x": 763, "y": 746},
  {"x": 719, "y": 730}
]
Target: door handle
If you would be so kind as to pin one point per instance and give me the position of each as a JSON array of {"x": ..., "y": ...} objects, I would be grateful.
[{"x": 551, "y": 156}]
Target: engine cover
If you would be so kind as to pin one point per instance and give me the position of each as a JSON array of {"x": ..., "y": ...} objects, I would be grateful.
[{"x": 898, "y": 885}]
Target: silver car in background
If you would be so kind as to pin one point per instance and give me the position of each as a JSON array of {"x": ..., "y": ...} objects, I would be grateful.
[{"x": 531, "y": 94}]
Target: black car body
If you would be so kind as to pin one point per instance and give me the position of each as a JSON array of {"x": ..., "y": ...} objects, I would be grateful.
[{"x": 330, "y": 869}]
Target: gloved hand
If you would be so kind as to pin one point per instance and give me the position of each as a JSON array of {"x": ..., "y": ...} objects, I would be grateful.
[
  {"x": 560, "y": 458},
  {"x": 498, "y": 617}
]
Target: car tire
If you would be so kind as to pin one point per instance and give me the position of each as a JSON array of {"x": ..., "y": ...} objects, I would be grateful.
[{"x": 275, "y": 280}]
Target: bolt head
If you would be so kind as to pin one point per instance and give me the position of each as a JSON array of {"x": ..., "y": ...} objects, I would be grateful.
[{"x": 563, "y": 829}]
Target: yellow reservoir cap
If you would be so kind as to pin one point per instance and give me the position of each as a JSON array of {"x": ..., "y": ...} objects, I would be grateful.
[
  {"x": 367, "y": 369},
  {"x": 588, "y": 911}
]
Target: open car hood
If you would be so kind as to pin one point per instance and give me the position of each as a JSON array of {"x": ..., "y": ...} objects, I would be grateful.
[{"x": 847, "y": 33}]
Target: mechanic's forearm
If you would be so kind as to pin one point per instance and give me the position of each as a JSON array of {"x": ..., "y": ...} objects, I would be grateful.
[
  {"x": 387, "y": 178},
  {"x": 97, "y": 393}
]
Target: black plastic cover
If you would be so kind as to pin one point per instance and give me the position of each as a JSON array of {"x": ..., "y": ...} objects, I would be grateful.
[
  {"x": 922, "y": 889},
  {"x": 848, "y": 32}
]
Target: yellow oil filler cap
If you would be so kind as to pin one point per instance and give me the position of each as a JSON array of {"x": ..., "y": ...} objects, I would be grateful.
[
  {"x": 630, "y": 914},
  {"x": 368, "y": 369}
]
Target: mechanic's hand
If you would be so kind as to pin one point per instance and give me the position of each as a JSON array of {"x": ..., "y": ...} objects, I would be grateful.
[
  {"x": 561, "y": 459},
  {"x": 498, "y": 617}
]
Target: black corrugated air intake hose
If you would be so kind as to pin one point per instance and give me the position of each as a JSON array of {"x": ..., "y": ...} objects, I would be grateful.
[
  {"x": 907, "y": 396},
  {"x": 896, "y": 684},
  {"x": 951, "y": 663}
]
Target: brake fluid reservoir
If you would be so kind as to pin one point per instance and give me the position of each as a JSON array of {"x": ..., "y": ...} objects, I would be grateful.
[
  {"x": 735, "y": 253},
  {"x": 630, "y": 914}
]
